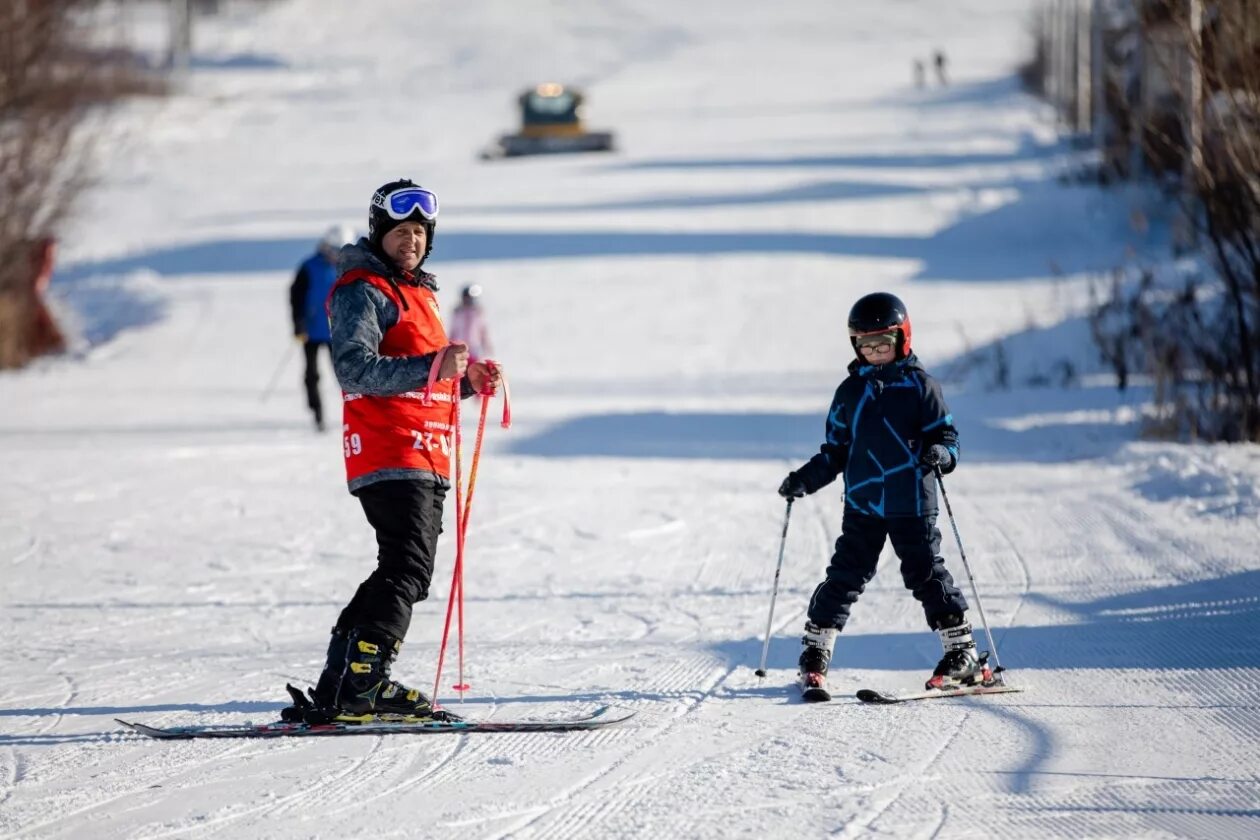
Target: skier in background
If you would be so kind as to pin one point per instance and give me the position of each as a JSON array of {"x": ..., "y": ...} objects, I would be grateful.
[
  {"x": 887, "y": 431},
  {"x": 468, "y": 324},
  {"x": 939, "y": 61},
  {"x": 308, "y": 295},
  {"x": 387, "y": 337}
]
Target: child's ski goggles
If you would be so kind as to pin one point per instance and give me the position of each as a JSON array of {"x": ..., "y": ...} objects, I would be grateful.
[
  {"x": 402, "y": 203},
  {"x": 876, "y": 340}
]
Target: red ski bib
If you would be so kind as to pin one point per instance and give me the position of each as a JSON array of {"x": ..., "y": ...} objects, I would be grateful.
[{"x": 401, "y": 433}]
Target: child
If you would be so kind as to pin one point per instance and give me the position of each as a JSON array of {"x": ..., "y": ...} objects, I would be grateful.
[
  {"x": 386, "y": 337},
  {"x": 468, "y": 324},
  {"x": 887, "y": 431}
]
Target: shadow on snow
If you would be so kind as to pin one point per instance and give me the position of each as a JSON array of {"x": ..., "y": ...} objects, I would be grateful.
[
  {"x": 201, "y": 708},
  {"x": 1206, "y": 624},
  {"x": 989, "y": 433},
  {"x": 1008, "y": 242},
  {"x": 1045, "y": 225}
]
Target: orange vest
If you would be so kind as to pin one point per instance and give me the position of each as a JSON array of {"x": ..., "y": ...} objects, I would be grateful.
[{"x": 400, "y": 432}]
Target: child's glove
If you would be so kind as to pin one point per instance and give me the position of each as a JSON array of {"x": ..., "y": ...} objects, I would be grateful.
[
  {"x": 937, "y": 455},
  {"x": 793, "y": 487}
]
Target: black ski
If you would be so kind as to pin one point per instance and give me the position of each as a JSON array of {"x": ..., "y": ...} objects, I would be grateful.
[
  {"x": 601, "y": 717},
  {"x": 868, "y": 695}
]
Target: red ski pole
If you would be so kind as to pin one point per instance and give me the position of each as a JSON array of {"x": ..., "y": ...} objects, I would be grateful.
[
  {"x": 463, "y": 508},
  {"x": 462, "y": 536},
  {"x": 458, "y": 572},
  {"x": 459, "y": 543},
  {"x": 462, "y": 685},
  {"x": 457, "y": 580}
]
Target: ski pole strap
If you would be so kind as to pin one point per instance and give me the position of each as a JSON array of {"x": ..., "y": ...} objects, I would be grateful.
[
  {"x": 434, "y": 369},
  {"x": 506, "y": 422}
]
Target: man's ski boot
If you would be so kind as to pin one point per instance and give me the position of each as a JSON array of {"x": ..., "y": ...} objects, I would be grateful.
[
  {"x": 817, "y": 644},
  {"x": 961, "y": 665},
  {"x": 321, "y": 705},
  {"x": 355, "y": 685}
]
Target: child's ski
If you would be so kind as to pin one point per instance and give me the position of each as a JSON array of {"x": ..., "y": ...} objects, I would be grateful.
[
  {"x": 601, "y": 717},
  {"x": 867, "y": 695}
]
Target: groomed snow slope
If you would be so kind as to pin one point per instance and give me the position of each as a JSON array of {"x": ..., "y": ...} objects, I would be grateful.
[{"x": 175, "y": 541}]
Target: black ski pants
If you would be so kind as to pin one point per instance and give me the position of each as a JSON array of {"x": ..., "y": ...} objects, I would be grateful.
[
  {"x": 311, "y": 377},
  {"x": 407, "y": 516},
  {"x": 917, "y": 542}
]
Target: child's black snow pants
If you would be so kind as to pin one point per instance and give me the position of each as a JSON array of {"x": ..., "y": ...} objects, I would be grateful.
[
  {"x": 407, "y": 516},
  {"x": 917, "y": 543}
]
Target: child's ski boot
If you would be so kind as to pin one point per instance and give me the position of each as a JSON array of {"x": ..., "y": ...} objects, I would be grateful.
[
  {"x": 961, "y": 665},
  {"x": 817, "y": 644}
]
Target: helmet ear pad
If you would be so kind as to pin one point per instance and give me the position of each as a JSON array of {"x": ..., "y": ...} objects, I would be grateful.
[{"x": 903, "y": 339}]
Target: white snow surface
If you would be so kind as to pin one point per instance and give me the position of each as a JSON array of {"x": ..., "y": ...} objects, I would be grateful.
[{"x": 175, "y": 540}]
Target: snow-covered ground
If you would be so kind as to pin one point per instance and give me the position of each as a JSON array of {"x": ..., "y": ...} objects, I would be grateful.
[{"x": 175, "y": 541}]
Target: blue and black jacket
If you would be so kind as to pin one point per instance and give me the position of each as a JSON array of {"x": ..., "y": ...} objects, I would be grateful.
[
  {"x": 881, "y": 421},
  {"x": 308, "y": 296}
]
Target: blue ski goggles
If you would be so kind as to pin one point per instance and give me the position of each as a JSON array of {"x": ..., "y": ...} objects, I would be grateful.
[{"x": 402, "y": 203}]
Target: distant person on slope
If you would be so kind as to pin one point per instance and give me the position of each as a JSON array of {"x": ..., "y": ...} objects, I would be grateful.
[
  {"x": 468, "y": 324},
  {"x": 887, "y": 431},
  {"x": 387, "y": 340},
  {"x": 308, "y": 297},
  {"x": 939, "y": 61}
]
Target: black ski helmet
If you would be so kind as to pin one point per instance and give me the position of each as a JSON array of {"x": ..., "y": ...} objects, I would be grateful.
[
  {"x": 880, "y": 312},
  {"x": 381, "y": 223}
]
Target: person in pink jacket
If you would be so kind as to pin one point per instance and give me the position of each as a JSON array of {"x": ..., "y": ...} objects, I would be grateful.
[{"x": 468, "y": 324}]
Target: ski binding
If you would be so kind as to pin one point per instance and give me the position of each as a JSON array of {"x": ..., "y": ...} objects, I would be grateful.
[{"x": 814, "y": 688}]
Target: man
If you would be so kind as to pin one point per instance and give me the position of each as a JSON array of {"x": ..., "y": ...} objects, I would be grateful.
[{"x": 307, "y": 298}]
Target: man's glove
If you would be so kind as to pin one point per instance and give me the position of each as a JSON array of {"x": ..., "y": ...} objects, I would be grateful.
[
  {"x": 937, "y": 455},
  {"x": 793, "y": 487}
]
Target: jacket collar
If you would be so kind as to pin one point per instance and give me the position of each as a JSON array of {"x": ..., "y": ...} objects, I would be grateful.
[
  {"x": 364, "y": 255},
  {"x": 890, "y": 372}
]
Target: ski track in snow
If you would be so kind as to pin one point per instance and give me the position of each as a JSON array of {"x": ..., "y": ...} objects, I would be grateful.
[
  {"x": 565, "y": 813},
  {"x": 175, "y": 541},
  {"x": 885, "y": 799}
]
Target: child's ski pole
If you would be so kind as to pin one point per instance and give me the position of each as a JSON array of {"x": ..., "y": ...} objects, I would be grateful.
[
  {"x": 997, "y": 663},
  {"x": 774, "y": 593}
]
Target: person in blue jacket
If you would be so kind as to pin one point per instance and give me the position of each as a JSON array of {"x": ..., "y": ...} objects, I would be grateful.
[
  {"x": 888, "y": 430},
  {"x": 308, "y": 296}
]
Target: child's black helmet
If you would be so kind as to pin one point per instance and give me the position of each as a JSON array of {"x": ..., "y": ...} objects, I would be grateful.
[
  {"x": 880, "y": 312},
  {"x": 417, "y": 204}
]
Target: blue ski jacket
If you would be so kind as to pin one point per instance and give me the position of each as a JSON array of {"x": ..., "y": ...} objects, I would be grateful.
[
  {"x": 881, "y": 421},
  {"x": 309, "y": 296}
]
